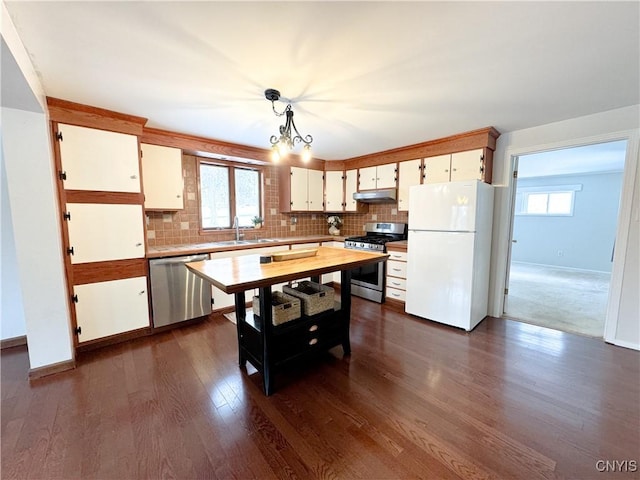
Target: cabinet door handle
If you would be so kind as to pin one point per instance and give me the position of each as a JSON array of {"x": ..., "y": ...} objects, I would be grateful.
[
  {"x": 138, "y": 244},
  {"x": 395, "y": 283},
  {"x": 313, "y": 341},
  {"x": 396, "y": 269},
  {"x": 133, "y": 177},
  {"x": 313, "y": 328},
  {"x": 395, "y": 294},
  {"x": 141, "y": 292}
]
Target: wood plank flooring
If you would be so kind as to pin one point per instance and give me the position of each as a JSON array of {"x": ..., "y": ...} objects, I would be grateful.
[{"x": 414, "y": 400}]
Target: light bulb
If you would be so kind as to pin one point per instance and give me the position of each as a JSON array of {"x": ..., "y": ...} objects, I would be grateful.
[
  {"x": 282, "y": 149},
  {"x": 275, "y": 155},
  {"x": 306, "y": 153}
]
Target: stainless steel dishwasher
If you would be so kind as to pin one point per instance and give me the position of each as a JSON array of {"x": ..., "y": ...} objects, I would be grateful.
[{"x": 176, "y": 293}]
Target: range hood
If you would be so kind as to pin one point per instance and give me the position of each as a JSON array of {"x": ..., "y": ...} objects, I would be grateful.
[{"x": 387, "y": 195}]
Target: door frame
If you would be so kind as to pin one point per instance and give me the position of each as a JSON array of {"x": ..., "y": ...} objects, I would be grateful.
[{"x": 622, "y": 227}]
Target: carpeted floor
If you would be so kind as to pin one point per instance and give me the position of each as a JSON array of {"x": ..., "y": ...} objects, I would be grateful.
[{"x": 559, "y": 298}]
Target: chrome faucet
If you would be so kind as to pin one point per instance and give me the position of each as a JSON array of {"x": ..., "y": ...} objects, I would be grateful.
[{"x": 236, "y": 225}]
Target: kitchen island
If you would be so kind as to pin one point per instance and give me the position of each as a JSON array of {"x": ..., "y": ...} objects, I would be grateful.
[{"x": 266, "y": 346}]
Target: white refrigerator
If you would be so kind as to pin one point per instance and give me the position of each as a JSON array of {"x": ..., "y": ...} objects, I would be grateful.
[{"x": 449, "y": 251}]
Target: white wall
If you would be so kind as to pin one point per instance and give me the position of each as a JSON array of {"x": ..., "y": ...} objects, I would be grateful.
[
  {"x": 35, "y": 214},
  {"x": 622, "y": 318},
  {"x": 12, "y": 323},
  {"x": 27, "y": 156}
]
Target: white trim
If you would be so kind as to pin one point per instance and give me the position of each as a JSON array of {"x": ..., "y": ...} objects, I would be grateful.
[
  {"x": 622, "y": 236},
  {"x": 622, "y": 343},
  {"x": 560, "y": 266},
  {"x": 503, "y": 234}
]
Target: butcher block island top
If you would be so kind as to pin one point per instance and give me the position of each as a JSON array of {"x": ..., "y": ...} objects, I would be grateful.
[
  {"x": 237, "y": 274},
  {"x": 267, "y": 346}
]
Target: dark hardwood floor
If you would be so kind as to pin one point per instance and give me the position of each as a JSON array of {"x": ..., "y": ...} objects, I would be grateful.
[{"x": 414, "y": 400}]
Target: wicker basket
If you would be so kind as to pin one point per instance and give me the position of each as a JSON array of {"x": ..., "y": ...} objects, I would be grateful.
[
  {"x": 315, "y": 297},
  {"x": 284, "y": 308}
]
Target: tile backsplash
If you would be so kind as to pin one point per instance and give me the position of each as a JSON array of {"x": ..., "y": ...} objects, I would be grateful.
[{"x": 183, "y": 226}]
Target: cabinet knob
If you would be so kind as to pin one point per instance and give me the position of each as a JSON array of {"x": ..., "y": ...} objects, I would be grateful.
[
  {"x": 313, "y": 341},
  {"x": 313, "y": 328},
  {"x": 177, "y": 196},
  {"x": 133, "y": 177},
  {"x": 455, "y": 169},
  {"x": 138, "y": 244},
  {"x": 141, "y": 292}
]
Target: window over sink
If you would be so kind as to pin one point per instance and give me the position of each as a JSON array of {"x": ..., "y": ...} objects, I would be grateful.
[{"x": 227, "y": 191}]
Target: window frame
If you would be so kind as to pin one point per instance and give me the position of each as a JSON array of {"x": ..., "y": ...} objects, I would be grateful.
[
  {"x": 522, "y": 196},
  {"x": 231, "y": 169}
]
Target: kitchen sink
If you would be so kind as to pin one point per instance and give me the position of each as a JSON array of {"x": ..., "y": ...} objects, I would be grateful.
[
  {"x": 266, "y": 240},
  {"x": 234, "y": 242}
]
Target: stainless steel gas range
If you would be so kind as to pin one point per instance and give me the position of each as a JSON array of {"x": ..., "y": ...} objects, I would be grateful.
[{"x": 369, "y": 281}]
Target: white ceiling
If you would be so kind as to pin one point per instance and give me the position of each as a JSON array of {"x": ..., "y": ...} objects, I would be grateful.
[{"x": 363, "y": 76}]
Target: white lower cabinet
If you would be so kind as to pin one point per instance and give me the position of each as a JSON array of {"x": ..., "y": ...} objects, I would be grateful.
[
  {"x": 396, "y": 274},
  {"x": 112, "y": 307}
]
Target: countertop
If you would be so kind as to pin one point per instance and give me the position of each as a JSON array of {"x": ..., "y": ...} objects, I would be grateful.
[
  {"x": 210, "y": 247},
  {"x": 238, "y": 274},
  {"x": 400, "y": 245}
]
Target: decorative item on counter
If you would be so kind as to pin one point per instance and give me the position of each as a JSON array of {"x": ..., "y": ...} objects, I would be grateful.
[
  {"x": 334, "y": 222},
  {"x": 257, "y": 222}
]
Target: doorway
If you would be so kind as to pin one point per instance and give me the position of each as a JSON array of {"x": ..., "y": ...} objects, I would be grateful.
[{"x": 564, "y": 224}]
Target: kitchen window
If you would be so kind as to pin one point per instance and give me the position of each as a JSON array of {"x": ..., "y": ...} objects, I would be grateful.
[
  {"x": 227, "y": 191},
  {"x": 548, "y": 200}
]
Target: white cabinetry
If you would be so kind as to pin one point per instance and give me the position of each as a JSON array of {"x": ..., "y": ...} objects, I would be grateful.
[
  {"x": 350, "y": 187},
  {"x": 334, "y": 191},
  {"x": 112, "y": 307},
  {"x": 162, "y": 177},
  {"x": 455, "y": 167},
  {"x": 380, "y": 176},
  {"x": 98, "y": 160},
  {"x": 306, "y": 190},
  {"x": 396, "y": 274},
  {"x": 103, "y": 232},
  {"x": 409, "y": 174}
]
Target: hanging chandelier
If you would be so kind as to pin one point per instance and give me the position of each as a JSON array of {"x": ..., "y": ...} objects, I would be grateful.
[{"x": 283, "y": 144}]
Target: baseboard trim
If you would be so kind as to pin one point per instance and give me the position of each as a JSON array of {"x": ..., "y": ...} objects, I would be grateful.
[
  {"x": 622, "y": 343},
  {"x": 13, "y": 342},
  {"x": 562, "y": 267},
  {"x": 40, "y": 372}
]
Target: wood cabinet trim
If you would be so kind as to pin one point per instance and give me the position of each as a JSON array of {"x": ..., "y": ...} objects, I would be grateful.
[
  {"x": 220, "y": 150},
  {"x": 482, "y": 138},
  {"x": 72, "y": 113},
  {"x": 91, "y": 196},
  {"x": 94, "y": 272}
]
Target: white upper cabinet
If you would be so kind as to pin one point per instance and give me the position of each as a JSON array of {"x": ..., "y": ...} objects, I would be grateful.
[
  {"x": 409, "y": 174},
  {"x": 350, "y": 187},
  {"x": 299, "y": 189},
  {"x": 467, "y": 165},
  {"x": 162, "y": 177},
  {"x": 380, "y": 176},
  {"x": 307, "y": 189},
  {"x": 99, "y": 160},
  {"x": 103, "y": 232},
  {"x": 455, "y": 167},
  {"x": 334, "y": 191},
  {"x": 437, "y": 169},
  {"x": 315, "y": 185}
]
